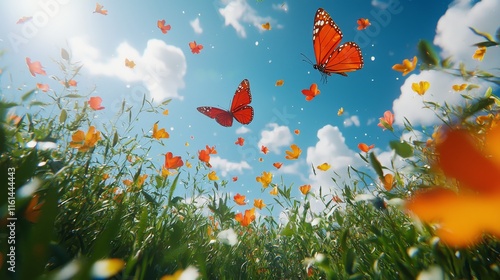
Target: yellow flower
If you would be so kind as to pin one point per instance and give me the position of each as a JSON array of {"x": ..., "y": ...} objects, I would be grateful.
[
  {"x": 159, "y": 134},
  {"x": 259, "y": 203},
  {"x": 420, "y": 87},
  {"x": 459, "y": 87},
  {"x": 265, "y": 179},
  {"x": 83, "y": 142},
  {"x": 165, "y": 112},
  {"x": 340, "y": 112},
  {"x": 274, "y": 191},
  {"x": 324, "y": 166},
  {"x": 213, "y": 176},
  {"x": 305, "y": 189},
  {"x": 407, "y": 66},
  {"x": 279, "y": 83},
  {"x": 188, "y": 164},
  {"x": 294, "y": 153},
  {"x": 479, "y": 53}
]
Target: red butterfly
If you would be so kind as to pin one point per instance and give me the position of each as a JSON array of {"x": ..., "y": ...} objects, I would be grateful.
[
  {"x": 240, "y": 108},
  {"x": 330, "y": 57}
]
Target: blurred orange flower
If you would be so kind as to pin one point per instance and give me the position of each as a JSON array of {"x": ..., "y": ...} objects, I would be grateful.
[
  {"x": 279, "y": 83},
  {"x": 240, "y": 199},
  {"x": 259, "y": 203},
  {"x": 365, "y": 148},
  {"x": 277, "y": 165},
  {"x": 264, "y": 149},
  {"x": 265, "y": 179},
  {"x": 304, "y": 189},
  {"x": 240, "y": 141},
  {"x": 83, "y": 142},
  {"x": 43, "y": 87},
  {"x": 172, "y": 162},
  {"x": 95, "y": 103},
  {"x": 266, "y": 26},
  {"x": 386, "y": 121},
  {"x": 363, "y": 23},
  {"x": 99, "y": 9},
  {"x": 213, "y": 176},
  {"x": 247, "y": 218},
  {"x": 479, "y": 53},
  {"x": 311, "y": 92},
  {"x": 387, "y": 181},
  {"x": 407, "y": 66},
  {"x": 35, "y": 67},
  {"x": 274, "y": 191},
  {"x": 459, "y": 87},
  {"x": 324, "y": 166},
  {"x": 159, "y": 134},
  {"x": 421, "y": 87},
  {"x": 294, "y": 153},
  {"x": 474, "y": 209},
  {"x": 32, "y": 212}
]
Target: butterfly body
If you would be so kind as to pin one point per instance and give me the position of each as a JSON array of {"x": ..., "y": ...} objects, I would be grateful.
[
  {"x": 240, "y": 108},
  {"x": 331, "y": 57}
]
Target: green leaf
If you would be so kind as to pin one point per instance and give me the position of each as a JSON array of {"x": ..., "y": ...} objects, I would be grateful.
[
  {"x": 376, "y": 165},
  {"x": 64, "y": 54},
  {"x": 149, "y": 198},
  {"x": 63, "y": 116},
  {"x": 427, "y": 53},
  {"x": 72, "y": 95},
  {"x": 172, "y": 188},
  {"x": 349, "y": 261},
  {"x": 402, "y": 149},
  {"x": 485, "y": 35},
  {"x": 288, "y": 230},
  {"x": 488, "y": 92},
  {"x": 447, "y": 62},
  {"x": 115, "y": 138},
  {"x": 482, "y": 104},
  {"x": 166, "y": 101},
  {"x": 38, "y": 103},
  {"x": 486, "y": 44},
  {"x": 27, "y": 95}
]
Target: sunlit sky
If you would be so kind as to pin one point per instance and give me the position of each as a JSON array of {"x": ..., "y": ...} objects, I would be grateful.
[{"x": 236, "y": 47}]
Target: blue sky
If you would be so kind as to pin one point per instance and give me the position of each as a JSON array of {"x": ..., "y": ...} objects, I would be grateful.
[{"x": 237, "y": 48}]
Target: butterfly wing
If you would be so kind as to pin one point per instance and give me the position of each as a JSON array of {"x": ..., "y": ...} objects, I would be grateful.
[
  {"x": 326, "y": 38},
  {"x": 240, "y": 108},
  {"x": 223, "y": 117}
]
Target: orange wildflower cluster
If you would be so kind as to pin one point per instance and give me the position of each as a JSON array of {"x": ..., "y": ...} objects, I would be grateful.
[
  {"x": 246, "y": 219},
  {"x": 204, "y": 155},
  {"x": 83, "y": 142}
]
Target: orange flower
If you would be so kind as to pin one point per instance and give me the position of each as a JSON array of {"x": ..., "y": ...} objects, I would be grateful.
[
  {"x": 386, "y": 121},
  {"x": 72, "y": 83},
  {"x": 264, "y": 149},
  {"x": 247, "y": 219},
  {"x": 213, "y": 176},
  {"x": 340, "y": 112},
  {"x": 83, "y": 142},
  {"x": 266, "y": 26},
  {"x": 99, "y": 9},
  {"x": 32, "y": 212},
  {"x": 235, "y": 178},
  {"x": 388, "y": 181},
  {"x": 304, "y": 189},
  {"x": 95, "y": 103},
  {"x": 294, "y": 153},
  {"x": 164, "y": 28},
  {"x": 35, "y": 67},
  {"x": 240, "y": 199},
  {"x": 274, "y": 191},
  {"x": 240, "y": 141},
  {"x": 479, "y": 53},
  {"x": 195, "y": 48},
  {"x": 311, "y": 92},
  {"x": 459, "y": 87},
  {"x": 105, "y": 176},
  {"x": 475, "y": 208},
  {"x": 129, "y": 63},
  {"x": 279, "y": 83},
  {"x": 337, "y": 199},
  {"x": 296, "y": 131},
  {"x": 365, "y": 148},
  {"x": 421, "y": 87},
  {"x": 43, "y": 87},
  {"x": 324, "y": 166},
  {"x": 204, "y": 156},
  {"x": 172, "y": 162},
  {"x": 159, "y": 134},
  {"x": 363, "y": 23},
  {"x": 265, "y": 179},
  {"x": 407, "y": 66},
  {"x": 259, "y": 203},
  {"x": 165, "y": 112},
  {"x": 211, "y": 150},
  {"x": 277, "y": 165}
]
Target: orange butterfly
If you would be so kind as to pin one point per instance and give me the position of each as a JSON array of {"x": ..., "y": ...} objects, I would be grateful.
[
  {"x": 311, "y": 92},
  {"x": 164, "y": 28},
  {"x": 99, "y": 9},
  {"x": 194, "y": 47}
]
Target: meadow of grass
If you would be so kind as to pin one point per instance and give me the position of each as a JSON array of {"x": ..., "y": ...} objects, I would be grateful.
[{"x": 89, "y": 204}]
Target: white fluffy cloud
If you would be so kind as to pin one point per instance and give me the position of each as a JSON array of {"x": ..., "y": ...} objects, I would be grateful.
[
  {"x": 238, "y": 12},
  {"x": 352, "y": 120},
  {"x": 195, "y": 24},
  {"x": 160, "y": 68},
  {"x": 276, "y": 137},
  {"x": 455, "y": 39},
  {"x": 330, "y": 148},
  {"x": 225, "y": 166},
  {"x": 242, "y": 130}
]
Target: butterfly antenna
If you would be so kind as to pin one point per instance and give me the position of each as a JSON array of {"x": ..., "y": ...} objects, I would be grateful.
[{"x": 306, "y": 59}]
